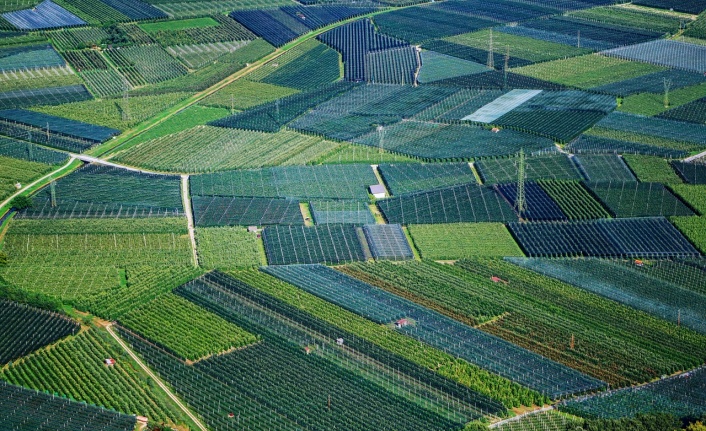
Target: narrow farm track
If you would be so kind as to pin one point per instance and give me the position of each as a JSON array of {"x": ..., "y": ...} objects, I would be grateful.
[
  {"x": 36, "y": 184},
  {"x": 695, "y": 157},
  {"x": 186, "y": 199},
  {"x": 155, "y": 378}
]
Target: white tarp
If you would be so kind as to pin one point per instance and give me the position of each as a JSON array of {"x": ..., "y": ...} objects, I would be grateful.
[{"x": 501, "y": 106}]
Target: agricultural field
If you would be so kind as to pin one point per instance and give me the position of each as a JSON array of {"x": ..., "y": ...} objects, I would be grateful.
[
  {"x": 463, "y": 240},
  {"x": 375, "y": 215},
  {"x": 185, "y": 329},
  {"x": 75, "y": 368}
]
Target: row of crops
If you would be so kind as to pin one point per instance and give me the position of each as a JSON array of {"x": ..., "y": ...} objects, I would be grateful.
[
  {"x": 437, "y": 330},
  {"x": 96, "y": 191},
  {"x": 27, "y": 329},
  {"x": 44, "y": 412},
  {"x": 75, "y": 369},
  {"x": 681, "y": 395},
  {"x": 611, "y": 341},
  {"x": 275, "y": 384},
  {"x": 629, "y": 286}
]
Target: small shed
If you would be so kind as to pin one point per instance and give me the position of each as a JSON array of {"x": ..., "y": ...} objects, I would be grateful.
[
  {"x": 252, "y": 229},
  {"x": 110, "y": 362},
  {"x": 401, "y": 323},
  {"x": 378, "y": 190},
  {"x": 18, "y": 186},
  {"x": 638, "y": 262},
  {"x": 339, "y": 341}
]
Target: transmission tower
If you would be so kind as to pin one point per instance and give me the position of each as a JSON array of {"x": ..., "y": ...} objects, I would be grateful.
[
  {"x": 520, "y": 202},
  {"x": 52, "y": 191},
  {"x": 667, "y": 87},
  {"x": 491, "y": 60}
]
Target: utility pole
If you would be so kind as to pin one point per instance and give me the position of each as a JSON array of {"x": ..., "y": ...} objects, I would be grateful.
[
  {"x": 578, "y": 39},
  {"x": 381, "y": 137},
  {"x": 491, "y": 59},
  {"x": 520, "y": 202},
  {"x": 52, "y": 191},
  {"x": 126, "y": 100}
]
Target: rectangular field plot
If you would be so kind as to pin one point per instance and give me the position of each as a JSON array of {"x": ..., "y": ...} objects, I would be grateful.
[
  {"x": 47, "y": 14},
  {"x": 44, "y": 96},
  {"x": 501, "y": 11},
  {"x": 693, "y": 112},
  {"x": 104, "y": 192},
  {"x": 200, "y": 55},
  {"x": 693, "y": 228},
  {"x": 667, "y": 129},
  {"x": 574, "y": 199},
  {"x": 687, "y": 6},
  {"x": 403, "y": 178},
  {"x": 670, "y": 53},
  {"x": 13, "y": 171},
  {"x": 486, "y": 351},
  {"x": 31, "y": 152},
  {"x": 652, "y": 169},
  {"x": 387, "y": 242},
  {"x": 341, "y": 211},
  {"x": 463, "y": 240},
  {"x": 504, "y": 170},
  {"x": 41, "y": 56},
  {"x": 26, "y": 329},
  {"x": 436, "y": 66},
  {"x": 194, "y": 333},
  {"x": 234, "y": 211},
  {"x": 652, "y": 83},
  {"x": 148, "y": 64},
  {"x": 77, "y": 244},
  {"x": 466, "y": 203},
  {"x": 587, "y": 71},
  {"x": 589, "y": 144},
  {"x": 439, "y": 142},
  {"x": 135, "y": 9},
  {"x": 692, "y": 173},
  {"x": 221, "y": 149},
  {"x": 529, "y": 49},
  {"x": 58, "y": 125},
  {"x": 628, "y": 286},
  {"x": 228, "y": 248},
  {"x": 323, "y": 181},
  {"x": 329, "y": 243},
  {"x": 604, "y": 167},
  {"x": 557, "y": 38},
  {"x": 605, "y": 32},
  {"x": 539, "y": 206},
  {"x": 681, "y": 395},
  {"x": 639, "y": 237},
  {"x": 419, "y": 24},
  {"x": 44, "y": 412},
  {"x": 632, "y": 199}
]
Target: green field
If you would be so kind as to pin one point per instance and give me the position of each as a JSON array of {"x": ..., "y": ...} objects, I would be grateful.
[
  {"x": 221, "y": 149},
  {"x": 75, "y": 368},
  {"x": 652, "y": 103},
  {"x": 695, "y": 196},
  {"x": 181, "y": 24},
  {"x": 184, "y": 328},
  {"x": 523, "y": 47},
  {"x": 244, "y": 94},
  {"x": 229, "y": 248},
  {"x": 694, "y": 228},
  {"x": 587, "y": 71},
  {"x": 13, "y": 171},
  {"x": 651, "y": 169},
  {"x": 463, "y": 240}
]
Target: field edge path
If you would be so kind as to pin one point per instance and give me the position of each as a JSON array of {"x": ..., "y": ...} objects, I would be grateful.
[
  {"x": 186, "y": 202},
  {"x": 156, "y": 379}
]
